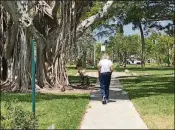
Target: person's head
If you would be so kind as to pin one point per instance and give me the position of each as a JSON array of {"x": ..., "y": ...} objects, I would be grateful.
[{"x": 105, "y": 56}]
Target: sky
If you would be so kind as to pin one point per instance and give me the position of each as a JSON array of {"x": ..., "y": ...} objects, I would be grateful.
[{"x": 129, "y": 31}]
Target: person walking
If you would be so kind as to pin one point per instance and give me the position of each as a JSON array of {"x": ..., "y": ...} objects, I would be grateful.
[{"x": 105, "y": 69}]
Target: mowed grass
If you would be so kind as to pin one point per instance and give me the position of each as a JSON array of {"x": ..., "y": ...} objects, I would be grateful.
[
  {"x": 153, "y": 96},
  {"x": 71, "y": 71},
  {"x": 64, "y": 111},
  {"x": 149, "y": 69}
]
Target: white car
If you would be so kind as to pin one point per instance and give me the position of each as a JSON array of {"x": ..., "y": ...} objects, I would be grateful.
[
  {"x": 137, "y": 62},
  {"x": 134, "y": 62}
]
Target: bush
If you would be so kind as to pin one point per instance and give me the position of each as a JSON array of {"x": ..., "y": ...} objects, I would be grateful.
[
  {"x": 166, "y": 60},
  {"x": 13, "y": 116}
]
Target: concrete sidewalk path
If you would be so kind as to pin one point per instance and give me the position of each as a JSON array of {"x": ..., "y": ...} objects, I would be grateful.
[{"x": 119, "y": 113}]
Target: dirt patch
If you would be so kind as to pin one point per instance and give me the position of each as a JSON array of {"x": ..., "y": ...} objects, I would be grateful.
[
  {"x": 75, "y": 89},
  {"x": 78, "y": 90}
]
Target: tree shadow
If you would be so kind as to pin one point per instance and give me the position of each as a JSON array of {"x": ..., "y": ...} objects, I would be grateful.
[
  {"x": 87, "y": 68},
  {"x": 26, "y": 97},
  {"x": 148, "y": 86},
  {"x": 122, "y": 77},
  {"x": 137, "y": 87},
  {"x": 115, "y": 93},
  {"x": 83, "y": 87},
  {"x": 136, "y": 68},
  {"x": 138, "y": 79},
  {"x": 77, "y": 79},
  {"x": 71, "y": 67}
]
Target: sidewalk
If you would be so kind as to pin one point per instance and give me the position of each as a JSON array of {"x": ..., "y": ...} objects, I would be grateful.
[{"x": 119, "y": 113}]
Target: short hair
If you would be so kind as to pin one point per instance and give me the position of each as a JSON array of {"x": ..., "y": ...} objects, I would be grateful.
[{"x": 105, "y": 56}]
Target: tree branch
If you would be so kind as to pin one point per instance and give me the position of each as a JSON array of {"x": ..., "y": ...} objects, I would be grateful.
[
  {"x": 89, "y": 21},
  {"x": 18, "y": 10}
]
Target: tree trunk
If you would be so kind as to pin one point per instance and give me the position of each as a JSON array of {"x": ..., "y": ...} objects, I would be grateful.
[
  {"x": 143, "y": 46},
  {"x": 112, "y": 54},
  {"x": 4, "y": 72},
  {"x": 23, "y": 76},
  {"x": 40, "y": 64},
  {"x": 94, "y": 54},
  {"x": 169, "y": 57},
  {"x": 125, "y": 56},
  {"x": 61, "y": 78},
  {"x": 84, "y": 59},
  {"x": 173, "y": 53},
  {"x": 64, "y": 41}
]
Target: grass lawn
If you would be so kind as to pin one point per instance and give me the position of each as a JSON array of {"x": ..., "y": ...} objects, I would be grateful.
[
  {"x": 150, "y": 69},
  {"x": 153, "y": 96},
  {"x": 64, "y": 111},
  {"x": 71, "y": 71}
]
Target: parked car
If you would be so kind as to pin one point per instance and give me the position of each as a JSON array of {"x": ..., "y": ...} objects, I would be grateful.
[
  {"x": 133, "y": 61},
  {"x": 138, "y": 62}
]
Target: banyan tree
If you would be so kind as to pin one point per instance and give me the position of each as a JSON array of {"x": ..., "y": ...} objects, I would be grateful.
[{"x": 55, "y": 26}]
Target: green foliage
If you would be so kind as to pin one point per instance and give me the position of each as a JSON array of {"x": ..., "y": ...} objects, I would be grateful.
[
  {"x": 97, "y": 5},
  {"x": 145, "y": 12},
  {"x": 118, "y": 8},
  {"x": 98, "y": 51},
  {"x": 15, "y": 117},
  {"x": 159, "y": 47},
  {"x": 124, "y": 46},
  {"x": 134, "y": 13},
  {"x": 166, "y": 60}
]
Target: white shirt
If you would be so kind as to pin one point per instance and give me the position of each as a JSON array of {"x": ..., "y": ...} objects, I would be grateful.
[{"x": 105, "y": 65}]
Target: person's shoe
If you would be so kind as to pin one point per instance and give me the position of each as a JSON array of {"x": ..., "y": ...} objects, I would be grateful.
[
  {"x": 107, "y": 100},
  {"x": 103, "y": 100}
]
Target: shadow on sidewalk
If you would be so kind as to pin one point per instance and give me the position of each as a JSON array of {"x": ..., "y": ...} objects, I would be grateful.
[{"x": 115, "y": 93}]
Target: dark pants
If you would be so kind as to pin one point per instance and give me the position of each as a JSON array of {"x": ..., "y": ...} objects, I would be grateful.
[{"x": 105, "y": 79}]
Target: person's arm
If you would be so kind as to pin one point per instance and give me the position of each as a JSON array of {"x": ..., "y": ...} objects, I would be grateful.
[
  {"x": 111, "y": 67},
  {"x": 99, "y": 69}
]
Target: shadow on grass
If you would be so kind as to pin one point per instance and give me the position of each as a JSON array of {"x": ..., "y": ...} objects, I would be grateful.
[
  {"x": 148, "y": 86},
  {"x": 121, "y": 77},
  {"x": 70, "y": 67},
  {"x": 144, "y": 79},
  {"x": 138, "y": 68},
  {"x": 77, "y": 79},
  {"x": 87, "y": 68},
  {"x": 26, "y": 97},
  {"x": 138, "y": 87}
]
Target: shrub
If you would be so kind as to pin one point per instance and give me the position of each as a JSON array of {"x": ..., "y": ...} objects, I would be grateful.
[{"x": 13, "y": 116}]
